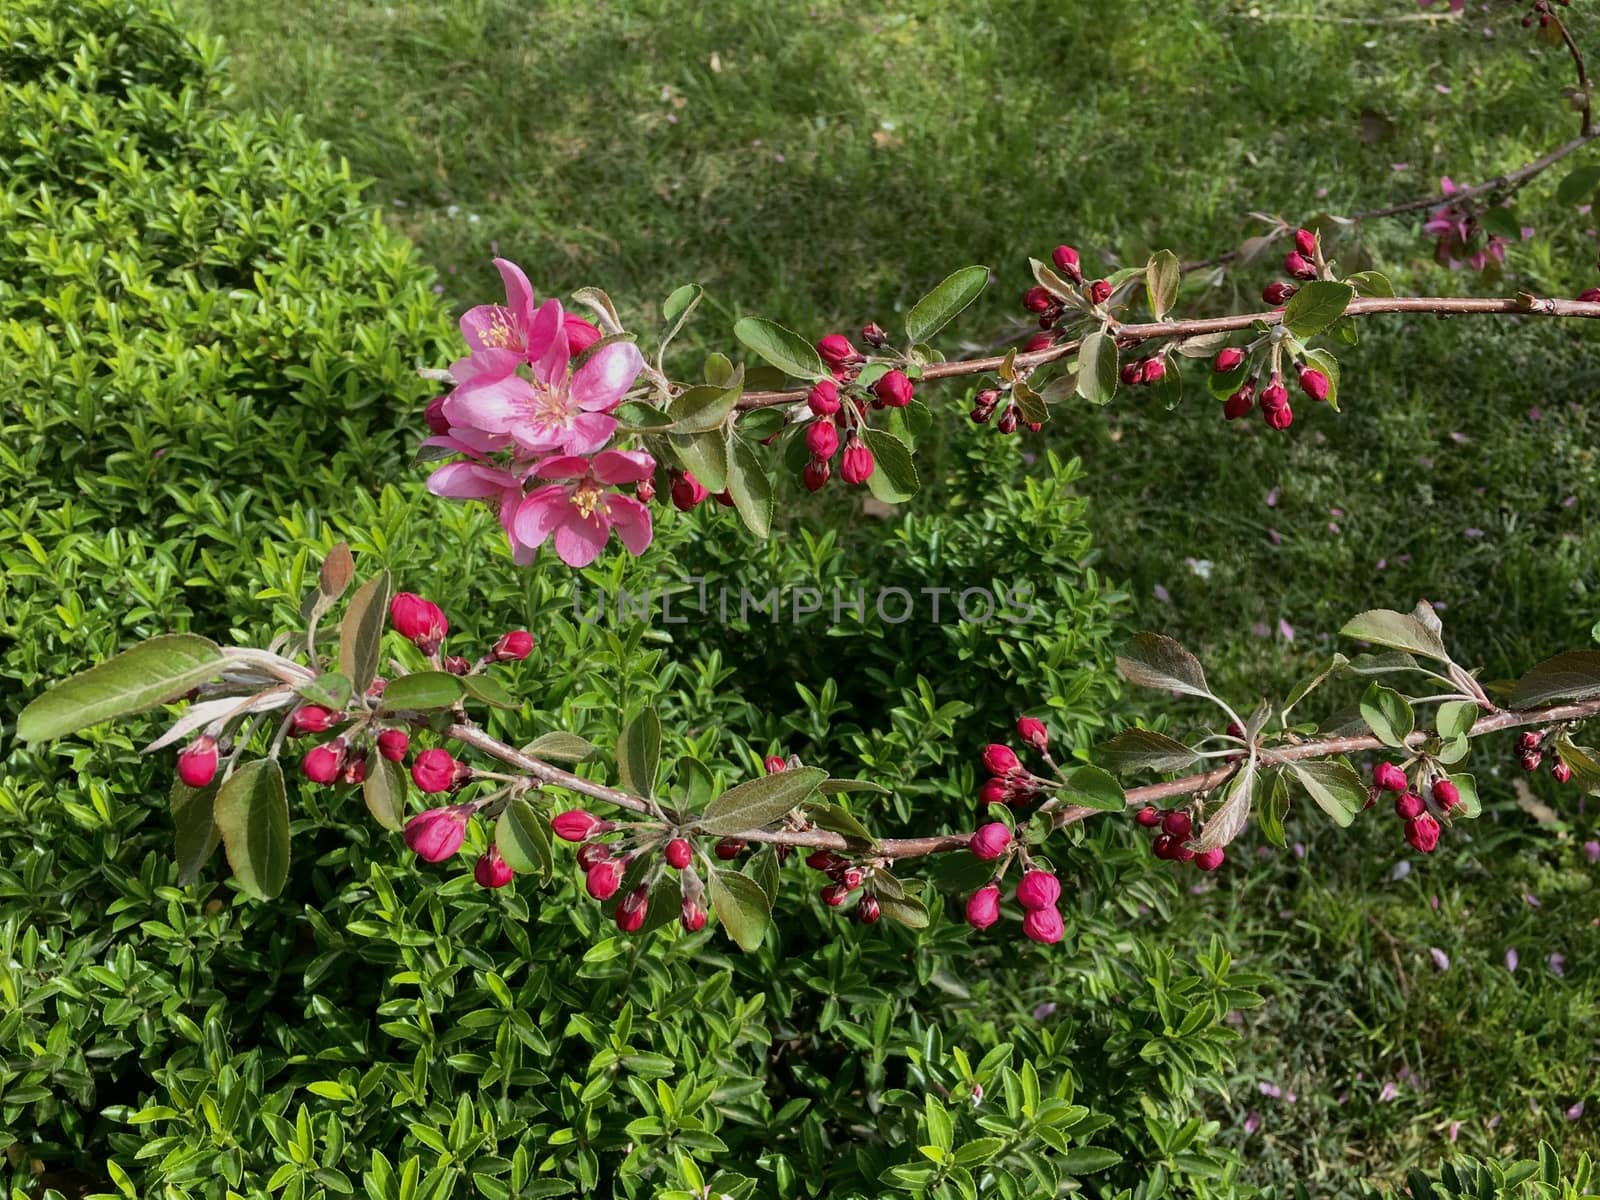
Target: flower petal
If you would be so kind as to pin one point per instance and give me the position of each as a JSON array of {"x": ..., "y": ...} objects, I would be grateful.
[
  {"x": 631, "y": 520},
  {"x": 565, "y": 466},
  {"x": 490, "y": 405},
  {"x": 547, "y": 345},
  {"x": 519, "y": 292},
  {"x": 470, "y": 481},
  {"x": 580, "y": 539},
  {"x": 489, "y": 363},
  {"x": 589, "y": 432},
  {"x": 599, "y": 384},
  {"x": 539, "y": 513},
  {"x": 623, "y": 466}
]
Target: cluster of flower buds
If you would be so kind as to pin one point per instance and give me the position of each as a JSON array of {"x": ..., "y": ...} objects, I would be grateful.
[
  {"x": 1036, "y": 893},
  {"x": 1142, "y": 372},
  {"x": 1421, "y": 817},
  {"x": 1050, "y": 306},
  {"x": 846, "y": 878},
  {"x": 831, "y": 414},
  {"x": 1543, "y": 13},
  {"x": 1009, "y": 781},
  {"x": 438, "y": 833},
  {"x": 987, "y": 401},
  {"x": 1274, "y": 398},
  {"x": 606, "y": 865},
  {"x": 1300, "y": 263},
  {"x": 1530, "y": 753},
  {"x": 1173, "y": 828}
]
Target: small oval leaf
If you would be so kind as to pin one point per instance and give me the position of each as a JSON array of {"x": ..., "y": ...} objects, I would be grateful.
[{"x": 761, "y": 801}]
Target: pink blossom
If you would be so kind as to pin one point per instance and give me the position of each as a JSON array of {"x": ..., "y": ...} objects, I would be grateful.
[
  {"x": 1252, "y": 1122},
  {"x": 579, "y": 511},
  {"x": 1388, "y": 1092},
  {"x": 504, "y": 327},
  {"x": 1440, "y": 958}
]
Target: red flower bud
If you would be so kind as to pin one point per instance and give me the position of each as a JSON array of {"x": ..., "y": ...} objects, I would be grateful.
[
  {"x": 197, "y": 762},
  {"x": 1153, "y": 371},
  {"x": 774, "y": 764},
  {"x": 687, "y": 491},
  {"x": 439, "y": 425},
  {"x": 983, "y": 907},
  {"x": 990, "y": 841},
  {"x": 591, "y": 854},
  {"x": 1166, "y": 846},
  {"x": 437, "y": 834},
  {"x": 692, "y": 915},
  {"x": 323, "y": 763},
  {"x": 1149, "y": 816},
  {"x": 836, "y": 350},
  {"x": 873, "y": 335},
  {"x": 1181, "y": 853},
  {"x": 1100, "y": 291},
  {"x": 852, "y": 877},
  {"x": 491, "y": 870},
  {"x": 1038, "y": 889},
  {"x": 995, "y": 791},
  {"x": 1039, "y": 341},
  {"x": 436, "y": 771},
  {"x": 1530, "y": 740},
  {"x": 728, "y": 848},
  {"x": 1274, "y": 395},
  {"x": 1305, "y": 242},
  {"x": 1032, "y": 731},
  {"x": 1229, "y": 359},
  {"x": 834, "y": 894},
  {"x": 823, "y": 398},
  {"x": 981, "y": 415},
  {"x": 1008, "y": 420},
  {"x": 1297, "y": 265},
  {"x": 1239, "y": 404},
  {"x": 1130, "y": 373},
  {"x": 1036, "y": 299},
  {"x": 1043, "y": 925},
  {"x": 1531, "y": 760},
  {"x": 858, "y": 464},
  {"x": 822, "y": 439},
  {"x": 456, "y": 665},
  {"x": 1389, "y": 777},
  {"x": 1278, "y": 293},
  {"x": 678, "y": 854},
  {"x": 1177, "y": 824},
  {"x": 419, "y": 620},
  {"x": 1313, "y": 383},
  {"x": 603, "y": 879},
  {"x": 869, "y": 910},
  {"x": 1066, "y": 261},
  {"x": 1408, "y": 806},
  {"x": 815, "y": 475},
  {"x": 822, "y": 860},
  {"x": 513, "y": 646},
  {"x": 311, "y": 718},
  {"x": 1001, "y": 761},
  {"x": 1591, "y": 296},
  {"x": 894, "y": 389},
  {"x": 631, "y": 912},
  {"x": 1446, "y": 794},
  {"x": 393, "y": 744},
  {"x": 576, "y": 825},
  {"x": 355, "y": 768},
  {"x": 1279, "y": 418},
  {"x": 1210, "y": 860},
  {"x": 1560, "y": 770},
  {"x": 1423, "y": 833},
  {"x": 581, "y": 334}
]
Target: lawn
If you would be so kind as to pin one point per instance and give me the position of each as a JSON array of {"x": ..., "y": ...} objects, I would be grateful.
[{"x": 824, "y": 165}]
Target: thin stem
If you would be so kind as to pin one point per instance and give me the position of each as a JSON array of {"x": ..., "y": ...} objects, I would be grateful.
[{"x": 1586, "y": 129}]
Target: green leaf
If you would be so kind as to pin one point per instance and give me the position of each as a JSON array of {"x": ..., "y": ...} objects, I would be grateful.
[
  {"x": 1572, "y": 675},
  {"x": 1335, "y": 787},
  {"x": 1274, "y": 810},
  {"x": 894, "y": 478},
  {"x": 252, "y": 812},
  {"x": 1226, "y": 821},
  {"x": 704, "y": 408},
  {"x": 837, "y": 820},
  {"x": 741, "y": 906},
  {"x": 1456, "y": 718},
  {"x": 762, "y": 866},
  {"x": 759, "y": 424},
  {"x": 384, "y": 791},
  {"x": 1332, "y": 666},
  {"x": 1388, "y": 715},
  {"x": 835, "y": 787},
  {"x": 520, "y": 837},
  {"x": 705, "y": 456},
  {"x": 489, "y": 690},
  {"x": 1470, "y": 806},
  {"x": 331, "y": 691},
  {"x": 1094, "y": 788},
  {"x": 759, "y": 802},
  {"x": 1168, "y": 390},
  {"x": 1084, "y": 1160},
  {"x": 151, "y": 673},
  {"x": 719, "y": 368},
  {"x": 1397, "y": 630},
  {"x": 783, "y": 348},
  {"x": 196, "y": 828},
  {"x": 423, "y": 690},
  {"x": 749, "y": 486},
  {"x": 1324, "y": 361},
  {"x": 940, "y": 306},
  {"x": 1029, "y": 403},
  {"x": 639, "y": 753},
  {"x": 1316, "y": 306},
  {"x": 560, "y": 746},
  {"x": 1144, "y": 750},
  {"x": 1371, "y": 283},
  {"x": 1097, "y": 368},
  {"x": 635, "y": 416},
  {"x": 1161, "y": 278},
  {"x": 1153, "y": 661},
  {"x": 361, "y": 632},
  {"x": 1578, "y": 185},
  {"x": 1500, "y": 222},
  {"x": 907, "y": 910}
]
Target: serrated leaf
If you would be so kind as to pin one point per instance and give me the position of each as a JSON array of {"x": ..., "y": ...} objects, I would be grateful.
[
  {"x": 1397, "y": 630},
  {"x": 1162, "y": 275},
  {"x": 1051, "y": 282},
  {"x": 361, "y": 632},
  {"x": 781, "y": 347},
  {"x": 894, "y": 478},
  {"x": 639, "y": 753},
  {"x": 1334, "y": 785},
  {"x": 1097, "y": 368},
  {"x": 423, "y": 690},
  {"x": 1029, "y": 403},
  {"x": 1572, "y": 675},
  {"x": 741, "y": 906},
  {"x": 560, "y": 746},
  {"x": 1315, "y": 306},
  {"x": 759, "y": 802},
  {"x": 749, "y": 486},
  {"x": 520, "y": 837},
  {"x": 1153, "y": 661},
  {"x": 151, "y": 673},
  {"x": 1371, "y": 283},
  {"x": 195, "y": 827},
  {"x": 940, "y": 306},
  {"x": 1144, "y": 750},
  {"x": 252, "y": 813},
  {"x": 1388, "y": 715},
  {"x": 330, "y": 691},
  {"x": 384, "y": 792}
]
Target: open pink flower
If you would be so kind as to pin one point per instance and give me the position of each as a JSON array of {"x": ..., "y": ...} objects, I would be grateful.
[
  {"x": 508, "y": 326},
  {"x": 579, "y": 512},
  {"x": 557, "y": 411}
]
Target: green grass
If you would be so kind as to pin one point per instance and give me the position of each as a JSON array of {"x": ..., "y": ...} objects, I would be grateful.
[{"x": 823, "y": 166}]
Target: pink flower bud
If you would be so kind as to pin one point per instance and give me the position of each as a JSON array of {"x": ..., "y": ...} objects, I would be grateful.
[
  {"x": 436, "y": 834},
  {"x": 1032, "y": 731},
  {"x": 631, "y": 912},
  {"x": 1149, "y": 816},
  {"x": 1154, "y": 370},
  {"x": 1530, "y": 740},
  {"x": 1297, "y": 265},
  {"x": 1038, "y": 889},
  {"x": 687, "y": 491},
  {"x": 822, "y": 439},
  {"x": 580, "y": 334},
  {"x": 1423, "y": 833},
  {"x": 603, "y": 879},
  {"x": 728, "y": 849},
  {"x": 1531, "y": 760},
  {"x": 1001, "y": 761},
  {"x": 1066, "y": 261},
  {"x": 1389, "y": 777},
  {"x": 894, "y": 389},
  {"x": 422, "y": 621},
  {"x": 1239, "y": 404},
  {"x": 1036, "y": 299},
  {"x": 822, "y": 860},
  {"x": 439, "y": 425},
  {"x": 1278, "y": 293},
  {"x": 869, "y": 910},
  {"x": 1313, "y": 383},
  {"x": 815, "y": 475},
  {"x": 1008, "y": 420},
  {"x": 492, "y": 871},
  {"x": 1591, "y": 296},
  {"x": 1408, "y": 806},
  {"x": 513, "y": 646},
  {"x": 310, "y": 718},
  {"x": 436, "y": 771},
  {"x": 323, "y": 763},
  {"x": 692, "y": 915},
  {"x": 197, "y": 762},
  {"x": 983, "y": 907},
  {"x": 990, "y": 841},
  {"x": 873, "y": 335},
  {"x": 456, "y": 665},
  {"x": 834, "y": 894},
  {"x": 576, "y": 825},
  {"x": 774, "y": 764},
  {"x": 836, "y": 350},
  {"x": 1177, "y": 824},
  {"x": 1043, "y": 925},
  {"x": 1210, "y": 860},
  {"x": 1129, "y": 374},
  {"x": 590, "y": 854},
  {"x": 1305, "y": 242},
  {"x": 1100, "y": 291},
  {"x": 1274, "y": 395},
  {"x": 1560, "y": 770},
  {"x": 1181, "y": 853},
  {"x": 1229, "y": 359},
  {"x": 393, "y": 744},
  {"x": 858, "y": 464},
  {"x": 1039, "y": 341},
  {"x": 678, "y": 854},
  {"x": 824, "y": 398},
  {"x": 355, "y": 767},
  {"x": 995, "y": 791},
  {"x": 1279, "y": 418},
  {"x": 1166, "y": 846},
  {"x": 1447, "y": 794},
  {"x": 851, "y": 877}
]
